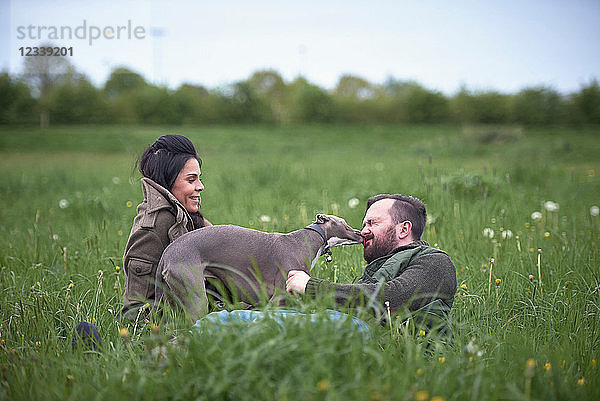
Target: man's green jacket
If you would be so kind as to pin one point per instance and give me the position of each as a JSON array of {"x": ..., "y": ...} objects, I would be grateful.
[{"x": 415, "y": 276}]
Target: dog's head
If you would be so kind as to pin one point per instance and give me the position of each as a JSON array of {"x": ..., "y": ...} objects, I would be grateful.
[{"x": 337, "y": 231}]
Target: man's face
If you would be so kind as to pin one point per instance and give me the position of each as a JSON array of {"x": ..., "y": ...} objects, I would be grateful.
[{"x": 379, "y": 231}]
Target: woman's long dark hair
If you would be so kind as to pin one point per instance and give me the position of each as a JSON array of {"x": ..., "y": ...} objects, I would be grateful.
[{"x": 163, "y": 160}]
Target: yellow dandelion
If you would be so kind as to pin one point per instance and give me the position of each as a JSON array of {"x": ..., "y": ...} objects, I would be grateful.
[
  {"x": 546, "y": 234},
  {"x": 71, "y": 285},
  {"x": 37, "y": 283},
  {"x": 581, "y": 382},
  {"x": 129, "y": 203},
  {"x": 419, "y": 372},
  {"x": 123, "y": 332},
  {"x": 547, "y": 366},
  {"x": 470, "y": 359},
  {"x": 463, "y": 286},
  {"x": 422, "y": 332},
  {"x": 498, "y": 282},
  {"x": 442, "y": 359},
  {"x": 99, "y": 272},
  {"x": 531, "y": 250},
  {"x": 437, "y": 398},
  {"x": 120, "y": 233},
  {"x": 527, "y": 225},
  {"x": 530, "y": 364},
  {"x": 323, "y": 385},
  {"x": 117, "y": 268},
  {"x": 421, "y": 395},
  {"x": 531, "y": 277}
]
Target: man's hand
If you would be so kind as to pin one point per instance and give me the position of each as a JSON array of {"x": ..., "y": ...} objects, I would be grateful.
[{"x": 296, "y": 281}]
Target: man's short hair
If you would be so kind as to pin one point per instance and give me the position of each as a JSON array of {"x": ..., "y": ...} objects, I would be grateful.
[{"x": 405, "y": 208}]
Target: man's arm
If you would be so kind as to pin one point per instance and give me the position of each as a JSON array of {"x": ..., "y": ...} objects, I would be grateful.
[{"x": 426, "y": 278}]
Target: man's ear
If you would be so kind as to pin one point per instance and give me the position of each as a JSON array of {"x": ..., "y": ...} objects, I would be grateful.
[
  {"x": 404, "y": 229},
  {"x": 322, "y": 218}
]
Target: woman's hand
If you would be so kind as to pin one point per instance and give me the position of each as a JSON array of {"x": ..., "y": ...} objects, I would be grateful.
[{"x": 296, "y": 281}]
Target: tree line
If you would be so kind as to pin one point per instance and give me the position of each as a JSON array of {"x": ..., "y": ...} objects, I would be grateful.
[{"x": 58, "y": 94}]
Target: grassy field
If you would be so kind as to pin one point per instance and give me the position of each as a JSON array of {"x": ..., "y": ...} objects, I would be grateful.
[{"x": 68, "y": 197}]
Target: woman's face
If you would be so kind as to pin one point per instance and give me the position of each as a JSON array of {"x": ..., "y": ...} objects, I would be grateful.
[{"x": 187, "y": 186}]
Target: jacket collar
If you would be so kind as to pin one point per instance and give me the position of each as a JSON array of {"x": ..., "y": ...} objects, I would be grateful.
[
  {"x": 412, "y": 245},
  {"x": 158, "y": 197}
]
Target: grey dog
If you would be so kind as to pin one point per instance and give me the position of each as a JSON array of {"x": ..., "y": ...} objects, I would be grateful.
[{"x": 250, "y": 264}]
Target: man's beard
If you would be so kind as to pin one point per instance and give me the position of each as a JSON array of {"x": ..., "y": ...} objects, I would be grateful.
[{"x": 381, "y": 246}]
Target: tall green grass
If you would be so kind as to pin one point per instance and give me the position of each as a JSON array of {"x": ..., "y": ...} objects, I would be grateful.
[{"x": 67, "y": 200}]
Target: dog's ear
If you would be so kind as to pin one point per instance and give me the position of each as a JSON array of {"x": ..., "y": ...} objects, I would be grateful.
[{"x": 322, "y": 218}]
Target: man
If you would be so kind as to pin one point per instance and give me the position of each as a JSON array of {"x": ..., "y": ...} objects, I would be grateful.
[{"x": 402, "y": 270}]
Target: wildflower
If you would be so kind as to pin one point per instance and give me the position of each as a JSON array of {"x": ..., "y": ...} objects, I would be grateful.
[
  {"x": 422, "y": 333},
  {"x": 63, "y": 203},
  {"x": 547, "y": 366},
  {"x": 421, "y": 395},
  {"x": 353, "y": 202},
  {"x": 129, "y": 204},
  {"x": 594, "y": 210},
  {"x": 55, "y": 237},
  {"x": 100, "y": 273},
  {"x": 507, "y": 234},
  {"x": 265, "y": 219},
  {"x": 2, "y": 341},
  {"x": 463, "y": 286},
  {"x": 37, "y": 343},
  {"x": 488, "y": 232},
  {"x": 323, "y": 385},
  {"x": 120, "y": 233},
  {"x": 536, "y": 216},
  {"x": 546, "y": 234},
  {"x": 123, "y": 332},
  {"x": 551, "y": 206},
  {"x": 437, "y": 398},
  {"x": 581, "y": 382},
  {"x": 493, "y": 220},
  {"x": 71, "y": 285},
  {"x": 527, "y": 225},
  {"x": 419, "y": 372},
  {"x": 531, "y": 277},
  {"x": 442, "y": 359},
  {"x": 118, "y": 268},
  {"x": 116, "y": 180},
  {"x": 531, "y": 250},
  {"x": 498, "y": 282},
  {"x": 155, "y": 328}
]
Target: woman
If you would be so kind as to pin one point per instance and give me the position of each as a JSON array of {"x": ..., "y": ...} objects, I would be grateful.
[{"x": 171, "y": 185}]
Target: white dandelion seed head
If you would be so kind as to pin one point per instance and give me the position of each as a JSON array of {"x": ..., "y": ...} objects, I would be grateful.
[
  {"x": 594, "y": 210},
  {"x": 265, "y": 219},
  {"x": 116, "y": 180},
  {"x": 507, "y": 234},
  {"x": 551, "y": 206},
  {"x": 55, "y": 237},
  {"x": 63, "y": 203},
  {"x": 536, "y": 216},
  {"x": 353, "y": 202},
  {"x": 488, "y": 232}
]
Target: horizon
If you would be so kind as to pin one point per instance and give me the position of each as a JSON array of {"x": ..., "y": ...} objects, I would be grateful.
[{"x": 502, "y": 48}]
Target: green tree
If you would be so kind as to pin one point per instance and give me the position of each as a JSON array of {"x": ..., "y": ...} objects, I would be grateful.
[
  {"x": 587, "y": 103},
  {"x": 78, "y": 101},
  {"x": 17, "y": 106},
  {"x": 537, "y": 105},
  {"x": 309, "y": 103}
]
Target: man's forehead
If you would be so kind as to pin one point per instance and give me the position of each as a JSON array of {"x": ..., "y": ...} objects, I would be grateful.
[{"x": 380, "y": 208}]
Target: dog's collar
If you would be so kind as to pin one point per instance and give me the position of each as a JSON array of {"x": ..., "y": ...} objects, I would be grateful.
[{"x": 317, "y": 228}]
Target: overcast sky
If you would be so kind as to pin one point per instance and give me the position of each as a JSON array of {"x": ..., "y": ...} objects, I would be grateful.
[{"x": 441, "y": 44}]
